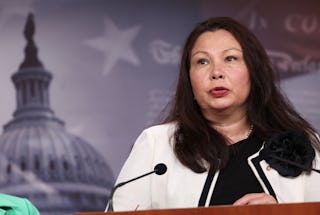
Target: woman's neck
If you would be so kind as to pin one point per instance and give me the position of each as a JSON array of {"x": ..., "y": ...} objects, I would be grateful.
[{"x": 234, "y": 129}]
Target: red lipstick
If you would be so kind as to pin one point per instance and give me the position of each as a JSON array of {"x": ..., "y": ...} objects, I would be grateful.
[{"x": 219, "y": 92}]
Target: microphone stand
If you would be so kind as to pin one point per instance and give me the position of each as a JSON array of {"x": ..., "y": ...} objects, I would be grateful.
[
  {"x": 159, "y": 169},
  {"x": 110, "y": 206}
]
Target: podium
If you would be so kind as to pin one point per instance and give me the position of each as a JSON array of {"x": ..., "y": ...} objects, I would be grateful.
[{"x": 312, "y": 208}]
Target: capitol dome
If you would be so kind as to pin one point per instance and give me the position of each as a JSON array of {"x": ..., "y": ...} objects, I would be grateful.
[{"x": 59, "y": 172}]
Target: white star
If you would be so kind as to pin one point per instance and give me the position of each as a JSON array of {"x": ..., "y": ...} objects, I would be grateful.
[{"x": 116, "y": 45}]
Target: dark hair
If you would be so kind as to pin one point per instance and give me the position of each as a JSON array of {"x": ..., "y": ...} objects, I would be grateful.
[{"x": 196, "y": 144}]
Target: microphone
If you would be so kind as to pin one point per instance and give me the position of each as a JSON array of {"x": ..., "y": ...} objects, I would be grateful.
[
  {"x": 292, "y": 163},
  {"x": 159, "y": 169}
]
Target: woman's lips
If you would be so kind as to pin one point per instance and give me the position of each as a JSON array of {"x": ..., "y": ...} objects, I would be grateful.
[{"x": 219, "y": 92}]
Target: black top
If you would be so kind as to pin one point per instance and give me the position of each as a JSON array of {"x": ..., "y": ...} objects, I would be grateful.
[{"x": 237, "y": 179}]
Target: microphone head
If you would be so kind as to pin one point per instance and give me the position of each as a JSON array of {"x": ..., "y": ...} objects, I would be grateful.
[{"x": 160, "y": 169}]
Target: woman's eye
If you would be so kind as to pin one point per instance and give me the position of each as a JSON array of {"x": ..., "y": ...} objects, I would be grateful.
[
  {"x": 231, "y": 58},
  {"x": 203, "y": 61}
]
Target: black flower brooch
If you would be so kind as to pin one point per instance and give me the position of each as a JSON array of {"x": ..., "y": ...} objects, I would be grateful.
[{"x": 289, "y": 153}]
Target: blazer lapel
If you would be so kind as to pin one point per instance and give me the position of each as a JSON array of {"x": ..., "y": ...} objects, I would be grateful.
[{"x": 284, "y": 189}]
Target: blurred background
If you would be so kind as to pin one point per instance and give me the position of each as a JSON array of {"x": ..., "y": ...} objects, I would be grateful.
[{"x": 114, "y": 65}]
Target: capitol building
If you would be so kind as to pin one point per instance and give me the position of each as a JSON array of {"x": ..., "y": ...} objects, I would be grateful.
[{"x": 59, "y": 172}]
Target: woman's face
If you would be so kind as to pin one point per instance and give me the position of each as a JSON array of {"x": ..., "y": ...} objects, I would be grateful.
[{"x": 218, "y": 73}]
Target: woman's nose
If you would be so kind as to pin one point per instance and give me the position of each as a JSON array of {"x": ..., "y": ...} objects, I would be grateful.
[
  {"x": 217, "y": 76},
  {"x": 217, "y": 73}
]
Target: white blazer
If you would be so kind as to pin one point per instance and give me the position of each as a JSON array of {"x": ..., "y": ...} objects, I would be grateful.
[{"x": 180, "y": 187}]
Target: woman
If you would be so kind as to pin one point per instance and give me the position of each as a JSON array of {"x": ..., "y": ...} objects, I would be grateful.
[{"x": 228, "y": 117}]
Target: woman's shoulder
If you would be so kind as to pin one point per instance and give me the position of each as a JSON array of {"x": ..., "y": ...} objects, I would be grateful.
[
  {"x": 17, "y": 204},
  {"x": 161, "y": 129},
  {"x": 157, "y": 135}
]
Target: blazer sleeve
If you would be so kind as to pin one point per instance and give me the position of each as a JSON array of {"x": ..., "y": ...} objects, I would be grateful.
[
  {"x": 312, "y": 182},
  {"x": 136, "y": 195},
  {"x": 32, "y": 210},
  {"x": 10, "y": 204}
]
